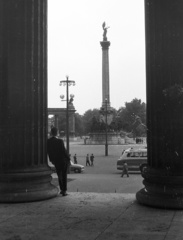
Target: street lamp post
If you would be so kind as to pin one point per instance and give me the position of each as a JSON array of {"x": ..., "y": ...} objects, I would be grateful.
[
  {"x": 67, "y": 83},
  {"x": 106, "y": 137}
]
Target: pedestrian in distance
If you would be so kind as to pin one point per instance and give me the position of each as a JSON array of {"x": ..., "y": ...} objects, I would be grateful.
[
  {"x": 125, "y": 169},
  {"x": 75, "y": 159},
  {"x": 59, "y": 157},
  {"x": 92, "y": 159},
  {"x": 87, "y": 160}
]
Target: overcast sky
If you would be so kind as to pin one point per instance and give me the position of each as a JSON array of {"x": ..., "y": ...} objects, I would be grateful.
[{"x": 74, "y": 35}]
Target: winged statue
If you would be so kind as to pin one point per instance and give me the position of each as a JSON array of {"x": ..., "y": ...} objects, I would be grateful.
[{"x": 105, "y": 31}]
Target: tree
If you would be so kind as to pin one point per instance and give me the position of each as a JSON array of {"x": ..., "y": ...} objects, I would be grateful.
[
  {"x": 91, "y": 120},
  {"x": 128, "y": 115},
  {"x": 79, "y": 126}
]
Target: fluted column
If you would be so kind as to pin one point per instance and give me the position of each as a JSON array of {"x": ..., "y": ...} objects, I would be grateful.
[
  {"x": 163, "y": 177},
  {"x": 24, "y": 173}
]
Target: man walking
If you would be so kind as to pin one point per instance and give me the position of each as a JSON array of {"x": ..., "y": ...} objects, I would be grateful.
[
  {"x": 60, "y": 158},
  {"x": 125, "y": 169},
  {"x": 92, "y": 159},
  {"x": 87, "y": 160}
]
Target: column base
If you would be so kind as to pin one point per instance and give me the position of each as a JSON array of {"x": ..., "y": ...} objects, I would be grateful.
[
  {"x": 161, "y": 191},
  {"x": 26, "y": 187},
  {"x": 159, "y": 200}
]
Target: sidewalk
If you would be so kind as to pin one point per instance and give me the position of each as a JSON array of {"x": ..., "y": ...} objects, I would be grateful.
[{"x": 89, "y": 216}]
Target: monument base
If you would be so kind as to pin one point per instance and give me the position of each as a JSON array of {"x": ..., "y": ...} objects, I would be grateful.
[{"x": 100, "y": 138}]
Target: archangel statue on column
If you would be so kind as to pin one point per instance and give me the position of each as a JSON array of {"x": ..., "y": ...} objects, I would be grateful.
[{"x": 105, "y": 31}]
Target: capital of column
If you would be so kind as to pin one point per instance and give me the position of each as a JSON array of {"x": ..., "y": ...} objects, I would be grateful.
[{"x": 105, "y": 45}]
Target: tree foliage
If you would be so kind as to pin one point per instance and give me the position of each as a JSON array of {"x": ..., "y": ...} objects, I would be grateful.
[
  {"x": 129, "y": 114},
  {"x": 124, "y": 119},
  {"x": 90, "y": 120},
  {"x": 79, "y": 126},
  {"x": 131, "y": 119}
]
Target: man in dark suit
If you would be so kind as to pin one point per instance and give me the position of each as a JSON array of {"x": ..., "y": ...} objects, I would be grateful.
[{"x": 59, "y": 157}]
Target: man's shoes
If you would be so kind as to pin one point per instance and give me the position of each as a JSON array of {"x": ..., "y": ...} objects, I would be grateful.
[{"x": 64, "y": 194}]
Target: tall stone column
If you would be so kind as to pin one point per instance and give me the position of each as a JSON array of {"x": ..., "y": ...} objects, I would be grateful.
[
  {"x": 163, "y": 177},
  {"x": 24, "y": 172},
  {"x": 105, "y": 72}
]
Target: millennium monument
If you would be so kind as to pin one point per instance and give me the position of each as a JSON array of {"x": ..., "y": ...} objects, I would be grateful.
[
  {"x": 105, "y": 68},
  {"x": 106, "y": 116}
]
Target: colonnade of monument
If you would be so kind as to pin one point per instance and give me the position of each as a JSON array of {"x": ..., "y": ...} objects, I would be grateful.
[
  {"x": 24, "y": 172},
  {"x": 59, "y": 112}
]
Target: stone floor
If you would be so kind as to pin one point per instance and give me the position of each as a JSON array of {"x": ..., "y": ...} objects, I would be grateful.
[{"x": 89, "y": 216}]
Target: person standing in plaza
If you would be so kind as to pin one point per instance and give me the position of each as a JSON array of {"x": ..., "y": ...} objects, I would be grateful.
[
  {"x": 125, "y": 169},
  {"x": 87, "y": 160},
  {"x": 92, "y": 159},
  {"x": 59, "y": 157}
]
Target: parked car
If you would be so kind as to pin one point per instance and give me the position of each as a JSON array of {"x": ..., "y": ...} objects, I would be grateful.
[
  {"x": 77, "y": 168},
  {"x": 134, "y": 158}
]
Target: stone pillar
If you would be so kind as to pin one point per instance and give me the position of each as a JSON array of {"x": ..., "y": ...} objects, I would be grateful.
[
  {"x": 163, "y": 177},
  {"x": 24, "y": 172},
  {"x": 105, "y": 72}
]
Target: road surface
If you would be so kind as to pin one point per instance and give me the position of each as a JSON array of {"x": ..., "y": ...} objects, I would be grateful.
[{"x": 103, "y": 177}]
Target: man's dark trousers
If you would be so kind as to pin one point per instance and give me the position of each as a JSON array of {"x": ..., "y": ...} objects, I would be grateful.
[{"x": 62, "y": 177}]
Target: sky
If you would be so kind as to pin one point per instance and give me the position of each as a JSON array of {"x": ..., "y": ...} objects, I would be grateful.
[{"x": 74, "y": 50}]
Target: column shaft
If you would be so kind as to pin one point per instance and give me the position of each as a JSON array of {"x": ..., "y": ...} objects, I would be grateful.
[
  {"x": 163, "y": 178},
  {"x": 24, "y": 173},
  {"x": 105, "y": 72}
]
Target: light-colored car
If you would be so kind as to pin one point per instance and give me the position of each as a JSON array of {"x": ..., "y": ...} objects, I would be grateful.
[
  {"x": 134, "y": 158},
  {"x": 77, "y": 168}
]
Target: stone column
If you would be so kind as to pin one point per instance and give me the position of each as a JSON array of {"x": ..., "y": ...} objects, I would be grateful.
[
  {"x": 24, "y": 172},
  {"x": 163, "y": 177},
  {"x": 105, "y": 72}
]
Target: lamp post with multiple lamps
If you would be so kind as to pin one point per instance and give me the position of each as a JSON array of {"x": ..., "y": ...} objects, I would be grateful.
[{"x": 67, "y": 83}]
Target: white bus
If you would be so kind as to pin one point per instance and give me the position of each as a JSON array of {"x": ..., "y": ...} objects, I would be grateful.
[{"x": 134, "y": 158}]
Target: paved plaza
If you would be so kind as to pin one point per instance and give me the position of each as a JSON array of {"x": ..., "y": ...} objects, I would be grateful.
[{"x": 89, "y": 216}]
